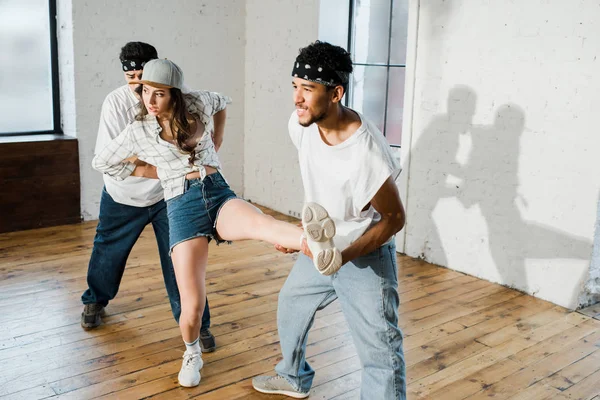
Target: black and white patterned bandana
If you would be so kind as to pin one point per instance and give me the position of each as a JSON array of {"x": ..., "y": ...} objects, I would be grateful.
[
  {"x": 133, "y": 65},
  {"x": 319, "y": 74}
]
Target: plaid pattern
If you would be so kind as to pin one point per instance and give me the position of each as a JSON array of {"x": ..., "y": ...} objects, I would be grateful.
[{"x": 142, "y": 139}]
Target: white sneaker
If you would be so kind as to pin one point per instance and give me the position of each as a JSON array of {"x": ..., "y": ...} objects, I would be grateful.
[
  {"x": 319, "y": 230},
  {"x": 189, "y": 375}
]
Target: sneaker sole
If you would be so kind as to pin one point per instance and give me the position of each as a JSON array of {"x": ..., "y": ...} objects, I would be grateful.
[
  {"x": 319, "y": 229},
  {"x": 190, "y": 384},
  {"x": 295, "y": 395},
  {"x": 88, "y": 327}
]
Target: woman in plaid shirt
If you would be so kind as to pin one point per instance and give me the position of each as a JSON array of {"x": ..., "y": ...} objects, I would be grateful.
[{"x": 178, "y": 135}]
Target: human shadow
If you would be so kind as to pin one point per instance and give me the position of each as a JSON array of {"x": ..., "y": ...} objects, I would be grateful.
[
  {"x": 433, "y": 160},
  {"x": 491, "y": 181},
  {"x": 486, "y": 177}
]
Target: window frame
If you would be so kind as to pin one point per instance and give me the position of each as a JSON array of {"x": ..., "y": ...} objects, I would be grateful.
[
  {"x": 388, "y": 65},
  {"x": 55, "y": 84}
]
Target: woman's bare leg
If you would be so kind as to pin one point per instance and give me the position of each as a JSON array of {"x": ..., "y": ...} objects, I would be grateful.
[
  {"x": 240, "y": 220},
  {"x": 189, "y": 261}
]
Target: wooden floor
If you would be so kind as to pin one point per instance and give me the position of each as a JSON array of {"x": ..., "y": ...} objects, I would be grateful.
[{"x": 464, "y": 338}]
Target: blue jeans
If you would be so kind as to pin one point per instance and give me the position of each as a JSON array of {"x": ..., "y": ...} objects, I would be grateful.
[
  {"x": 119, "y": 227},
  {"x": 194, "y": 213},
  {"x": 368, "y": 291}
]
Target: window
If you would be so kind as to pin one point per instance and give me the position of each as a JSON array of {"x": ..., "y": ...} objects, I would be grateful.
[
  {"x": 375, "y": 33},
  {"x": 28, "y": 67}
]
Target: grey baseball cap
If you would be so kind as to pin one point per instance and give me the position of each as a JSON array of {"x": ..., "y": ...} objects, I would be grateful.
[{"x": 161, "y": 73}]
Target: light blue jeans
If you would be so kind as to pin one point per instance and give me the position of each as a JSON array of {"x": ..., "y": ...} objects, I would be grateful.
[{"x": 368, "y": 291}]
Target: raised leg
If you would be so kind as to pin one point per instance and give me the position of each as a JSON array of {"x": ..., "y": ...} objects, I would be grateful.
[{"x": 240, "y": 220}]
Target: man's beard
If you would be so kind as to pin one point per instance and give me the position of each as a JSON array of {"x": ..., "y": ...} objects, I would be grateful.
[{"x": 313, "y": 120}]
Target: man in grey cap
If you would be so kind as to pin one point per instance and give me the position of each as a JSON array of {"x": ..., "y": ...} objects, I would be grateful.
[{"x": 128, "y": 206}]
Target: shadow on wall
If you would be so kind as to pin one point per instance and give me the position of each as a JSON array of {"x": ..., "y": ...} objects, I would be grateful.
[{"x": 487, "y": 178}]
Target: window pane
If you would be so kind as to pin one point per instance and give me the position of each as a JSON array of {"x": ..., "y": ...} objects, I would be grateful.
[
  {"x": 395, "y": 106},
  {"x": 399, "y": 32},
  {"x": 25, "y": 67},
  {"x": 371, "y": 31},
  {"x": 368, "y": 93},
  {"x": 333, "y": 22}
]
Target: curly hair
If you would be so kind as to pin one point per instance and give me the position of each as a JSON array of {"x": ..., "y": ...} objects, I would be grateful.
[
  {"x": 327, "y": 55},
  {"x": 138, "y": 51}
]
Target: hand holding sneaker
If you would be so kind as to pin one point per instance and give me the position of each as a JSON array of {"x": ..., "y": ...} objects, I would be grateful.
[{"x": 305, "y": 249}]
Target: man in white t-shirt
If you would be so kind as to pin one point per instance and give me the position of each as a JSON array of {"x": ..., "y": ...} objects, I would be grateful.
[
  {"x": 348, "y": 168},
  {"x": 127, "y": 206}
]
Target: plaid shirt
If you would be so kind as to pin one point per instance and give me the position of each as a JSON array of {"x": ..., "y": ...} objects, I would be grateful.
[{"x": 142, "y": 139}]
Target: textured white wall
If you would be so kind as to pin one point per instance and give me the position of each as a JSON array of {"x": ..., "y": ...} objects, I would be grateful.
[
  {"x": 205, "y": 38},
  {"x": 503, "y": 141},
  {"x": 275, "y": 31}
]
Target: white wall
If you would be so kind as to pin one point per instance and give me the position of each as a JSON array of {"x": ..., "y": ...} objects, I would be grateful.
[
  {"x": 501, "y": 180},
  {"x": 205, "y": 38},
  {"x": 275, "y": 31}
]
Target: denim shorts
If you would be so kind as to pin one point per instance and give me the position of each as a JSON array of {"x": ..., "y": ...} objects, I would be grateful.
[{"x": 194, "y": 213}]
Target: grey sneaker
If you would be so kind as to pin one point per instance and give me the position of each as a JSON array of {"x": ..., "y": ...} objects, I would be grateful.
[
  {"x": 91, "y": 315},
  {"x": 207, "y": 341},
  {"x": 277, "y": 385}
]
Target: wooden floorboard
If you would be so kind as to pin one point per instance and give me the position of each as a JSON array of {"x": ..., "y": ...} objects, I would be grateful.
[
  {"x": 592, "y": 311},
  {"x": 465, "y": 338}
]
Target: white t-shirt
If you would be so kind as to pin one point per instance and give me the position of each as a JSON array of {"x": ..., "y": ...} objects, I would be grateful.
[
  {"x": 344, "y": 178},
  {"x": 119, "y": 109}
]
